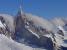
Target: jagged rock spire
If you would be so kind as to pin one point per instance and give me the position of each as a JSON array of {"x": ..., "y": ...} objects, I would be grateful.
[{"x": 21, "y": 12}]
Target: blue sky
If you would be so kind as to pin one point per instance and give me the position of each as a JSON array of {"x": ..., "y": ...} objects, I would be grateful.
[
  {"x": 9, "y": 6},
  {"x": 45, "y": 8}
]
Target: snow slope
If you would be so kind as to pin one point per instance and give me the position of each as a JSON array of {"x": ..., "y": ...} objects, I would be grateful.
[{"x": 9, "y": 44}]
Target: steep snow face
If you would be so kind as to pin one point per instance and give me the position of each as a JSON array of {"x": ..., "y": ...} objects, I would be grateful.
[
  {"x": 1, "y": 25},
  {"x": 9, "y": 44},
  {"x": 9, "y": 20}
]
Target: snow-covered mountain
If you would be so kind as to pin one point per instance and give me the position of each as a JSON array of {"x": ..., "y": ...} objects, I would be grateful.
[
  {"x": 30, "y": 32},
  {"x": 34, "y": 30}
]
